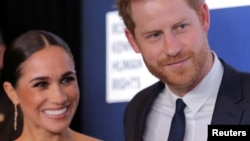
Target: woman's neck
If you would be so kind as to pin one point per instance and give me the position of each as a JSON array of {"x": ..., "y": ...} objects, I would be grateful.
[{"x": 45, "y": 135}]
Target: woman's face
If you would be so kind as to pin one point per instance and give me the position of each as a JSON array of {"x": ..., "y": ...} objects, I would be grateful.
[{"x": 47, "y": 90}]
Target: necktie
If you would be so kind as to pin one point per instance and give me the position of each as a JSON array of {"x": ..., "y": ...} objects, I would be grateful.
[{"x": 177, "y": 129}]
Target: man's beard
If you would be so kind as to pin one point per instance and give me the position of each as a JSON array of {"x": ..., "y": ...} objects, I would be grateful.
[{"x": 185, "y": 77}]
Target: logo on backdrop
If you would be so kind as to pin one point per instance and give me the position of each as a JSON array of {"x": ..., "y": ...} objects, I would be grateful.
[{"x": 126, "y": 73}]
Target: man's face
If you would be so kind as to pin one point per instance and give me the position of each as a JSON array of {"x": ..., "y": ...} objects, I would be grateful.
[{"x": 172, "y": 39}]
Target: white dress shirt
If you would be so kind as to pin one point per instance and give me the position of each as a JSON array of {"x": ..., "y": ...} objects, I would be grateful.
[{"x": 200, "y": 105}]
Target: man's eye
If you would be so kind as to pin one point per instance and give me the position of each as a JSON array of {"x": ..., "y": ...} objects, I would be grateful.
[
  {"x": 157, "y": 34},
  {"x": 154, "y": 35},
  {"x": 182, "y": 27}
]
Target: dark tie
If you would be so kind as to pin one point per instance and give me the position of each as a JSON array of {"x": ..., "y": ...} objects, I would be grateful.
[{"x": 177, "y": 129}]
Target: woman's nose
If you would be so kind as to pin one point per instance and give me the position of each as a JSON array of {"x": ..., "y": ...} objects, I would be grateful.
[{"x": 58, "y": 95}]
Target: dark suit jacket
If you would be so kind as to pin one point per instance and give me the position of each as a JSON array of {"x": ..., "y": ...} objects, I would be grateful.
[{"x": 232, "y": 104}]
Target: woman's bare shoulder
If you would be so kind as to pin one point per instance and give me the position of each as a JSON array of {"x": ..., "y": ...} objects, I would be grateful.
[{"x": 83, "y": 137}]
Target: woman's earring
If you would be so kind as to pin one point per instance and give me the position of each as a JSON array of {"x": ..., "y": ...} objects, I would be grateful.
[{"x": 15, "y": 117}]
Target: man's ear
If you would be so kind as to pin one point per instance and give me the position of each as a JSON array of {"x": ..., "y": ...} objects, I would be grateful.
[
  {"x": 11, "y": 92},
  {"x": 205, "y": 16},
  {"x": 132, "y": 41}
]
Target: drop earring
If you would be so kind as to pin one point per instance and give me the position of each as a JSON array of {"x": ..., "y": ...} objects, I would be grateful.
[{"x": 15, "y": 117}]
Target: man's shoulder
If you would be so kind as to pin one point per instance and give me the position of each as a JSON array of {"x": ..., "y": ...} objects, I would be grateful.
[
  {"x": 140, "y": 105},
  {"x": 147, "y": 94},
  {"x": 232, "y": 70}
]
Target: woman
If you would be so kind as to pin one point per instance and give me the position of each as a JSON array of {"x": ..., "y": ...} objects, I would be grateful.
[{"x": 39, "y": 75}]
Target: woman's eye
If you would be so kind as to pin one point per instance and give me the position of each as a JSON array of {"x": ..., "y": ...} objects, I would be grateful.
[
  {"x": 67, "y": 80},
  {"x": 41, "y": 84}
]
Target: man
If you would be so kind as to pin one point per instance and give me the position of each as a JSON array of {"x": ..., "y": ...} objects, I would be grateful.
[
  {"x": 171, "y": 36},
  {"x": 7, "y": 132}
]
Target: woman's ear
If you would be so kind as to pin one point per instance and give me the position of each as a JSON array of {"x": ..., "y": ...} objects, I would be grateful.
[{"x": 11, "y": 92}]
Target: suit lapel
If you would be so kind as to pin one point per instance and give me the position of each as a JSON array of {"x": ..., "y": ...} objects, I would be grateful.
[
  {"x": 230, "y": 94},
  {"x": 151, "y": 93}
]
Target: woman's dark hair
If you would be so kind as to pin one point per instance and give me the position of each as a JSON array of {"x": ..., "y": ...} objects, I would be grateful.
[{"x": 23, "y": 47}]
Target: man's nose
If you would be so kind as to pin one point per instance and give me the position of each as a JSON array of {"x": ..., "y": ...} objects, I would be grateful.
[{"x": 172, "y": 45}]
